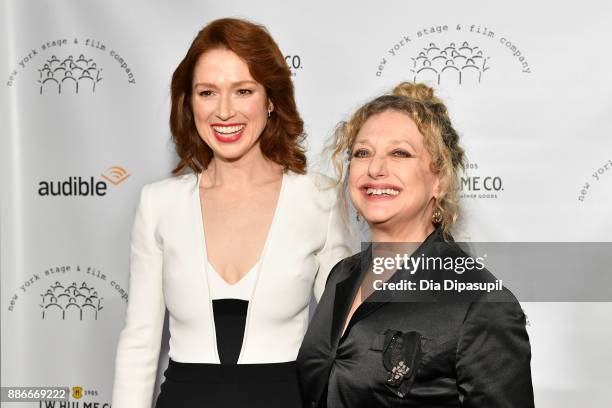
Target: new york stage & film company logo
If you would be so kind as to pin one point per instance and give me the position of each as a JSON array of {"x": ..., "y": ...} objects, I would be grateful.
[
  {"x": 597, "y": 175},
  {"x": 68, "y": 293},
  {"x": 475, "y": 185},
  {"x": 69, "y": 66},
  {"x": 456, "y": 54},
  {"x": 70, "y": 301},
  {"x": 78, "y": 186},
  {"x": 69, "y": 75}
]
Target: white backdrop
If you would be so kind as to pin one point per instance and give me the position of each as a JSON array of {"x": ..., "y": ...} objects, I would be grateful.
[{"x": 528, "y": 85}]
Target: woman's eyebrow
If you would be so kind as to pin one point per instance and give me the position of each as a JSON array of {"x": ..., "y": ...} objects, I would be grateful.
[
  {"x": 246, "y": 82},
  {"x": 233, "y": 84},
  {"x": 398, "y": 141},
  {"x": 362, "y": 141},
  {"x": 205, "y": 84}
]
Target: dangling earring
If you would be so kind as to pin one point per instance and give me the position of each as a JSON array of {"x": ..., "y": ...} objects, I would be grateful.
[
  {"x": 357, "y": 216},
  {"x": 436, "y": 217},
  {"x": 269, "y": 113}
]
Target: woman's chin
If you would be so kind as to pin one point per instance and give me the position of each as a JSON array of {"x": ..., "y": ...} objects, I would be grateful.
[
  {"x": 377, "y": 218},
  {"x": 232, "y": 152},
  {"x": 228, "y": 156}
]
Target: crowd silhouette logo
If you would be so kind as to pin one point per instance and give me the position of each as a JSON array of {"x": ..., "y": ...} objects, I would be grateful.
[
  {"x": 72, "y": 302},
  {"x": 452, "y": 63},
  {"x": 69, "y": 75}
]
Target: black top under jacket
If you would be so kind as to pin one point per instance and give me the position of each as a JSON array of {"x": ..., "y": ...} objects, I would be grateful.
[{"x": 469, "y": 352}]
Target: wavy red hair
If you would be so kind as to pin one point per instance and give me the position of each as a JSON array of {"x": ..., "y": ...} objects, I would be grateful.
[{"x": 281, "y": 140}]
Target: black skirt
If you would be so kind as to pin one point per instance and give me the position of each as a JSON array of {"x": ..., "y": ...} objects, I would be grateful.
[{"x": 191, "y": 385}]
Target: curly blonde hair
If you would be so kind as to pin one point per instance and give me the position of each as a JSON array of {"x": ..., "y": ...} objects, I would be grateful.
[{"x": 440, "y": 139}]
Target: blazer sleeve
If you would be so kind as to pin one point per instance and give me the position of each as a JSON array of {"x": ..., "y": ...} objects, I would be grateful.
[
  {"x": 337, "y": 247},
  {"x": 140, "y": 340},
  {"x": 493, "y": 357}
]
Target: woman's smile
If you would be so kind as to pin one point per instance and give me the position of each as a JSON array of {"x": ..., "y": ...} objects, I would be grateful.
[
  {"x": 380, "y": 192},
  {"x": 228, "y": 132}
]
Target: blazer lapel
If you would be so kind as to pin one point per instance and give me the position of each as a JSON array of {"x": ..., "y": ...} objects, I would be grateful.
[
  {"x": 376, "y": 299},
  {"x": 344, "y": 295}
]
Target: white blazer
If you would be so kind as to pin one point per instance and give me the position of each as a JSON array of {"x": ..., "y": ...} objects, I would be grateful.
[{"x": 168, "y": 264}]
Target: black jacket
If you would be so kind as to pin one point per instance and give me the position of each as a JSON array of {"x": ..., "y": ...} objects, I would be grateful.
[{"x": 466, "y": 353}]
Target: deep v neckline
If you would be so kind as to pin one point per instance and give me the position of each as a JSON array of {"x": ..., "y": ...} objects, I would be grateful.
[{"x": 260, "y": 259}]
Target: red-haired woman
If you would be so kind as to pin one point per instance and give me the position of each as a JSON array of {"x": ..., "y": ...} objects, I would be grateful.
[{"x": 235, "y": 248}]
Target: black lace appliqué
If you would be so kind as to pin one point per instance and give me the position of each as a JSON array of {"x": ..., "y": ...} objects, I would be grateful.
[{"x": 401, "y": 355}]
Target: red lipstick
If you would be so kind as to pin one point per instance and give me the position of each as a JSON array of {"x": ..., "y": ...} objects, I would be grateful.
[{"x": 228, "y": 137}]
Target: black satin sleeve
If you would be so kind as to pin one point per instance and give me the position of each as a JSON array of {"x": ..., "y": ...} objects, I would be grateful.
[{"x": 493, "y": 357}]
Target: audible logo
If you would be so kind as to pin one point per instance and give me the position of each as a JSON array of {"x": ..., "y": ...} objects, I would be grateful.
[
  {"x": 115, "y": 175},
  {"x": 76, "y": 186}
]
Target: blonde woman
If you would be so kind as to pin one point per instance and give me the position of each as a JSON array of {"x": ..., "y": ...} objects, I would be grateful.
[{"x": 364, "y": 350}]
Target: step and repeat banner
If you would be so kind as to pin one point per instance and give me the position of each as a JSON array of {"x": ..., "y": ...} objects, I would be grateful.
[{"x": 84, "y": 125}]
